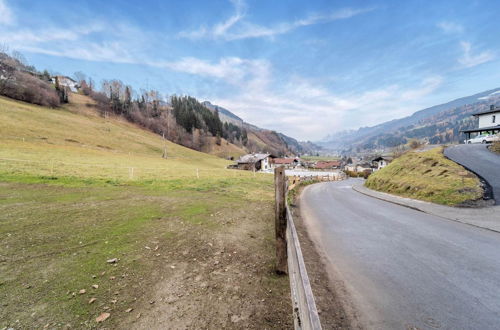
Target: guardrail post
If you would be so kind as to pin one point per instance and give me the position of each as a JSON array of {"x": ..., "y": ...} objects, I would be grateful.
[{"x": 280, "y": 220}]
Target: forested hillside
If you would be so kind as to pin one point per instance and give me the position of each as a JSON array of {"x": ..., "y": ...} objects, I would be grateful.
[{"x": 180, "y": 119}]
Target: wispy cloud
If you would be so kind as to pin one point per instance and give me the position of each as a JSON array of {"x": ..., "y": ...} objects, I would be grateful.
[
  {"x": 6, "y": 14},
  {"x": 450, "y": 27},
  {"x": 305, "y": 109},
  {"x": 470, "y": 60},
  {"x": 235, "y": 27}
]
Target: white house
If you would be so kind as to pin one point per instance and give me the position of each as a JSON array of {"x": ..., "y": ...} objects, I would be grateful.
[
  {"x": 255, "y": 162},
  {"x": 489, "y": 122},
  {"x": 66, "y": 82},
  {"x": 381, "y": 162}
]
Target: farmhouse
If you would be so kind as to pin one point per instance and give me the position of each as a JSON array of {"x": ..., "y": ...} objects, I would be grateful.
[
  {"x": 254, "y": 162},
  {"x": 286, "y": 162},
  {"x": 66, "y": 82},
  {"x": 489, "y": 122},
  {"x": 380, "y": 162}
]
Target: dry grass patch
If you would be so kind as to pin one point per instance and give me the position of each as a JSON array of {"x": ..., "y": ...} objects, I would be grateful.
[
  {"x": 427, "y": 176},
  {"x": 495, "y": 147}
]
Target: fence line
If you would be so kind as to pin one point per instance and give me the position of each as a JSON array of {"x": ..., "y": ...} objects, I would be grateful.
[
  {"x": 132, "y": 172},
  {"x": 304, "y": 307}
]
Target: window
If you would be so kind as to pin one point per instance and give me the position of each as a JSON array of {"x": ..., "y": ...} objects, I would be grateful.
[{"x": 493, "y": 118}]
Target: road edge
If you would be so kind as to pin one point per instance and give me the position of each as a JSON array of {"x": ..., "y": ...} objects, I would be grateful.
[{"x": 379, "y": 195}]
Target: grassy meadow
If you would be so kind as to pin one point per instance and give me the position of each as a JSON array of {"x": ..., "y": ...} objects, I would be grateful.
[
  {"x": 77, "y": 190},
  {"x": 427, "y": 176}
]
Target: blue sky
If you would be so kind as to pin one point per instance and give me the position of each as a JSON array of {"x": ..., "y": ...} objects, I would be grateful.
[{"x": 305, "y": 68}]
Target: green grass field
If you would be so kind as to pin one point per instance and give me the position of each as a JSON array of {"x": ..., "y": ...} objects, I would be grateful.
[
  {"x": 427, "y": 176},
  {"x": 77, "y": 189}
]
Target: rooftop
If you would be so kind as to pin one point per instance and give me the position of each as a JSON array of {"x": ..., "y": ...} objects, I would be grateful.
[
  {"x": 251, "y": 158},
  {"x": 482, "y": 129},
  {"x": 493, "y": 109}
]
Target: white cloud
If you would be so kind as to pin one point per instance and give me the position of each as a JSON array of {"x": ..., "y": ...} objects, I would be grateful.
[
  {"x": 450, "y": 27},
  {"x": 236, "y": 27},
  {"x": 470, "y": 60},
  {"x": 299, "y": 107},
  {"x": 6, "y": 15}
]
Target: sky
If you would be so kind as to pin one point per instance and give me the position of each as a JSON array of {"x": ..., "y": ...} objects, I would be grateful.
[{"x": 304, "y": 68}]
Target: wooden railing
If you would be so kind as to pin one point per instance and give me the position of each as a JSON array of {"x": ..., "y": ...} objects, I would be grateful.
[{"x": 289, "y": 259}]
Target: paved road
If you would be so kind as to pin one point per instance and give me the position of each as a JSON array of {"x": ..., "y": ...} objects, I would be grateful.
[
  {"x": 480, "y": 160},
  {"x": 403, "y": 268}
]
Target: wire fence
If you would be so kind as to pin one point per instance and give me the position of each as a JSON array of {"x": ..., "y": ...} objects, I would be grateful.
[{"x": 56, "y": 168}]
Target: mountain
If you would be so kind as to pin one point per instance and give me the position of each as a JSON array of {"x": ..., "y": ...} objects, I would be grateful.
[
  {"x": 260, "y": 139},
  {"x": 224, "y": 114},
  {"x": 438, "y": 124}
]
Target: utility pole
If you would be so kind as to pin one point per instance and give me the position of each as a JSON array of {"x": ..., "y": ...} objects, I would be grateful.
[{"x": 164, "y": 147}]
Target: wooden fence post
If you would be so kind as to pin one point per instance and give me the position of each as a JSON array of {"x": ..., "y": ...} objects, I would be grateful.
[{"x": 280, "y": 220}]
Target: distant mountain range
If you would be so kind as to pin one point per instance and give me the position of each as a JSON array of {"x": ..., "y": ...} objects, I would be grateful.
[
  {"x": 263, "y": 139},
  {"x": 438, "y": 124}
]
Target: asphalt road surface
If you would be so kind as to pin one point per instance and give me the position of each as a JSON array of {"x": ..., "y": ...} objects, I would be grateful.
[
  {"x": 404, "y": 269},
  {"x": 480, "y": 160}
]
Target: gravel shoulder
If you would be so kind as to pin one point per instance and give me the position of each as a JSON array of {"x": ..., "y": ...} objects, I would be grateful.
[{"x": 329, "y": 291}]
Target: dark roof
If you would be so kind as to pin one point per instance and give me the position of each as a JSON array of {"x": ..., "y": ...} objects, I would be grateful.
[
  {"x": 252, "y": 158},
  {"x": 482, "y": 129},
  {"x": 497, "y": 110},
  {"x": 378, "y": 159}
]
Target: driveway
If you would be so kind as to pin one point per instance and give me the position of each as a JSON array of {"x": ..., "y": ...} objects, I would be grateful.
[
  {"x": 401, "y": 268},
  {"x": 480, "y": 160}
]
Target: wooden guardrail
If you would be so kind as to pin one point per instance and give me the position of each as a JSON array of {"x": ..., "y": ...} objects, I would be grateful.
[{"x": 289, "y": 259}]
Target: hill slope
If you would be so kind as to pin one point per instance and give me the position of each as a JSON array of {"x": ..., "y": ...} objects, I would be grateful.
[
  {"x": 77, "y": 189},
  {"x": 437, "y": 124},
  {"x": 263, "y": 139}
]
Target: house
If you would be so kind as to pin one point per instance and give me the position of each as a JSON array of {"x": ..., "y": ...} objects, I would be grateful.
[
  {"x": 331, "y": 164},
  {"x": 489, "y": 122},
  {"x": 286, "y": 162},
  {"x": 364, "y": 168},
  {"x": 66, "y": 82},
  {"x": 380, "y": 162},
  {"x": 254, "y": 162}
]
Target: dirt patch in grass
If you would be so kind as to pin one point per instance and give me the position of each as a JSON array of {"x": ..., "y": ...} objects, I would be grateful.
[
  {"x": 185, "y": 258},
  {"x": 428, "y": 176},
  {"x": 327, "y": 290}
]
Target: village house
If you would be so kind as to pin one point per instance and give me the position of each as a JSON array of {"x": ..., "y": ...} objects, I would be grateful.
[
  {"x": 288, "y": 163},
  {"x": 66, "y": 82},
  {"x": 380, "y": 162},
  {"x": 254, "y": 162},
  {"x": 364, "y": 168},
  {"x": 489, "y": 122}
]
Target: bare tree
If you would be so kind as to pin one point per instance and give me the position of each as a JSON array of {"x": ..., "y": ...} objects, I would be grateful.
[{"x": 80, "y": 76}]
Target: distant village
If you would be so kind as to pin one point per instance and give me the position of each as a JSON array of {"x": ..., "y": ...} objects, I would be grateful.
[{"x": 265, "y": 162}]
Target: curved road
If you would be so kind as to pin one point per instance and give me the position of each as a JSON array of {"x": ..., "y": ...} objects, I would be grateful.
[
  {"x": 480, "y": 160},
  {"x": 403, "y": 268}
]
